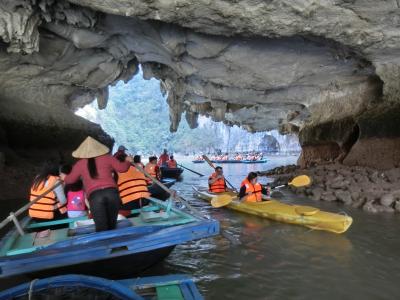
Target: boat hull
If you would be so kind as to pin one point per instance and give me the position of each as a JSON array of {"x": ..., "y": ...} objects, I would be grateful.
[
  {"x": 197, "y": 161},
  {"x": 73, "y": 286},
  {"x": 171, "y": 172},
  {"x": 261, "y": 161},
  {"x": 157, "y": 192},
  {"x": 286, "y": 213}
]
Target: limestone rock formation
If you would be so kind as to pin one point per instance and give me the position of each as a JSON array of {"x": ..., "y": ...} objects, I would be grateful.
[{"x": 328, "y": 70}]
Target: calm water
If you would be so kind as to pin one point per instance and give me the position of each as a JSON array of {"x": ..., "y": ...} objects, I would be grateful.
[{"x": 279, "y": 261}]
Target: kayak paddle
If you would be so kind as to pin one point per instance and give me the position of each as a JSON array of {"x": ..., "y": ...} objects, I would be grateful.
[
  {"x": 212, "y": 166},
  {"x": 298, "y": 181},
  {"x": 201, "y": 175}
]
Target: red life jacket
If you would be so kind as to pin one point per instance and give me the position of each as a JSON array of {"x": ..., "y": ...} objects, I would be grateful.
[
  {"x": 172, "y": 163},
  {"x": 218, "y": 186}
]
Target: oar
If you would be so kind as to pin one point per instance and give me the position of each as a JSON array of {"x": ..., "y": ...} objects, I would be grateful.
[
  {"x": 298, "y": 181},
  {"x": 225, "y": 234},
  {"x": 191, "y": 170},
  {"x": 212, "y": 166}
]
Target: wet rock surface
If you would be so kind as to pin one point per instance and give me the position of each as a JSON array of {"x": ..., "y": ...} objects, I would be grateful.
[{"x": 362, "y": 187}]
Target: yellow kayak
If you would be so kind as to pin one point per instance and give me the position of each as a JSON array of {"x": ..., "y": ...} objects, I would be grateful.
[{"x": 308, "y": 216}]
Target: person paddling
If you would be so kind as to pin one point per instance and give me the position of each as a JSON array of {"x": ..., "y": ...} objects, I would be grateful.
[
  {"x": 216, "y": 181},
  {"x": 162, "y": 162},
  {"x": 53, "y": 205},
  {"x": 132, "y": 187},
  {"x": 251, "y": 190},
  {"x": 96, "y": 167}
]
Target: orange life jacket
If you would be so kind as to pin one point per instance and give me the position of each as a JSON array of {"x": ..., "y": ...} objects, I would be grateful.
[
  {"x": 45, "y": 207},
  {"x": 152, "y": 171},
  {"x": 172, "y": 163},
  {"x": 256, "y": 190},
  {"x": 218, "y": 186},
  {"x": 132, "y": 185}
]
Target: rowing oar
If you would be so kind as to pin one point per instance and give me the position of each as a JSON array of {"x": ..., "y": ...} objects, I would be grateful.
[
  {"x": 201, "y": 175},
  {"x": 225, "y": 199},
  {"x": 13, "y": 215},
  {"x": 212, "y": 166},
  {"x": 225, "y": 234}
]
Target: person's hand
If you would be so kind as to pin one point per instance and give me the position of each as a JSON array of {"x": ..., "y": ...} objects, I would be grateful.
[
  {"x": 62, "y": 176},
  {"x": 129, "y": 158},
  {"x": 220, "y": 176},
  {"x": 250, "y": 193}
]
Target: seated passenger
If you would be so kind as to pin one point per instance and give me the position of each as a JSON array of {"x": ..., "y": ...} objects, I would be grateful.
[
  {"x": 137, "y": 160},
  {"x": 152, "y": 169},
  {"x": 216, "y": 181},
  {"x": 52, "y": 206},
  {"x": 162, "y": 162},
  {"x": 172, "y": 162},
  {"x": 251, "y": 190}
]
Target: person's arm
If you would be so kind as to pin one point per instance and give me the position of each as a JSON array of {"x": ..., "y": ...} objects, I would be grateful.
[
  {"x": 264, "y": 191},
  {"x": 242, "y": 192},
  {"x": 59, "y": 191},
  {"x": 74, "y": 176},
  {"x": 211, "y": 180},
  {"x": 118, "y": 166}
]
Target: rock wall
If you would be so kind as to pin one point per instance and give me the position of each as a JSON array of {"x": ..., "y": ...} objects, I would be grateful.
[{"x": 323, "y": 69}]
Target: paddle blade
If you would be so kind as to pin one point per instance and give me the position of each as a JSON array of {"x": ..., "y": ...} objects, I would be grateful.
[
  {"x": 300, "y": 181},
  {"x": 221, "y": 200}
]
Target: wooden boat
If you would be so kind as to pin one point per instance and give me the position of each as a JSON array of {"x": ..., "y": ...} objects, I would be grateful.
[
  {"x": 146, "y": 237},
  {"x": 229, "y": 161},
  {"x": 158, "y": 192},
  {"x": 197, "y": 161},
  {"x": 88, "y": 287},
  {"x": 260, "y": 161},
  {"x": 171, "y": 172},
  {"x": 307, "y": 216}
]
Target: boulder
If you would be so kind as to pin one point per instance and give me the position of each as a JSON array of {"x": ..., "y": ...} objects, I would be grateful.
[
  {"x": 328, "y": 196},
  {"x": 344, "y": 196}
]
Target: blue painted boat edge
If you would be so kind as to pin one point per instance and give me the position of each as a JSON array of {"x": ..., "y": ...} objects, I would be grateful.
[
  {"x": 113, "y": 287},
  {"x": 54, "y": 257}
]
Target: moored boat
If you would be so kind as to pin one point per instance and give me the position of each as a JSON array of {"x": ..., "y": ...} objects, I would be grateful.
[
  {"x": 197, "y": 161},
  {"x": 171, "y": 172},
  {"x": 260, "y": 161},
  {"x": 307, "y": 216},
  {"x": 229, "y": 161},
  {"x": 73, "y": 286},
  {"x": 146, "y": 237}
]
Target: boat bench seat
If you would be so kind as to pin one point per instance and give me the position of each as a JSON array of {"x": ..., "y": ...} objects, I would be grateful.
[{"x": 91, "y": 228}]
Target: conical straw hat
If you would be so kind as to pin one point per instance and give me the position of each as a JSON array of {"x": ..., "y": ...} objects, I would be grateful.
[{"x": 90, "y": 148}]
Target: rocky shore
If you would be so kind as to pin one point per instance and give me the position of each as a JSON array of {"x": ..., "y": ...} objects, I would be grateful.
[{"x": 361, "y": 187}]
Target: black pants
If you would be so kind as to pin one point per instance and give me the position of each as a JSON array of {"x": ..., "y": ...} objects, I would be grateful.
[
  {"x": 104, "y": 205},
  {"x": 135, "y": 204}
]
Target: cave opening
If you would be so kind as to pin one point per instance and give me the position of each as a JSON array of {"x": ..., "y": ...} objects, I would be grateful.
[{"x": 137, "y": 116}]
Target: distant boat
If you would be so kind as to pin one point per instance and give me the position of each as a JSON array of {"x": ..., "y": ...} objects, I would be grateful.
[
  {"x": 228, "y": 161},
  {"x": 198, "y": 161},
  {"x": 141, "y": 240},
  {"x": 261, "y": 161},
  {"x": 171, "y": 172},
  {"x": 85, "y": 287}
]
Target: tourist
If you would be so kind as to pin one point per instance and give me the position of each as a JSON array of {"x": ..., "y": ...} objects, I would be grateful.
[
  {"x": 162, "y": 162},
  {"x": 132, "y": 187},
  {"x": 95, "y": 168},
  {"x": 137, "y": 160},
  {"x": 216, "y": 181},
  {"x": 172, "y": 162},
  {"x": 121, "y": 150},
  {"x": 251, "y": 190},
  {"x": 152, "y": 169},
  {"x": 52, "y": 206}
]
